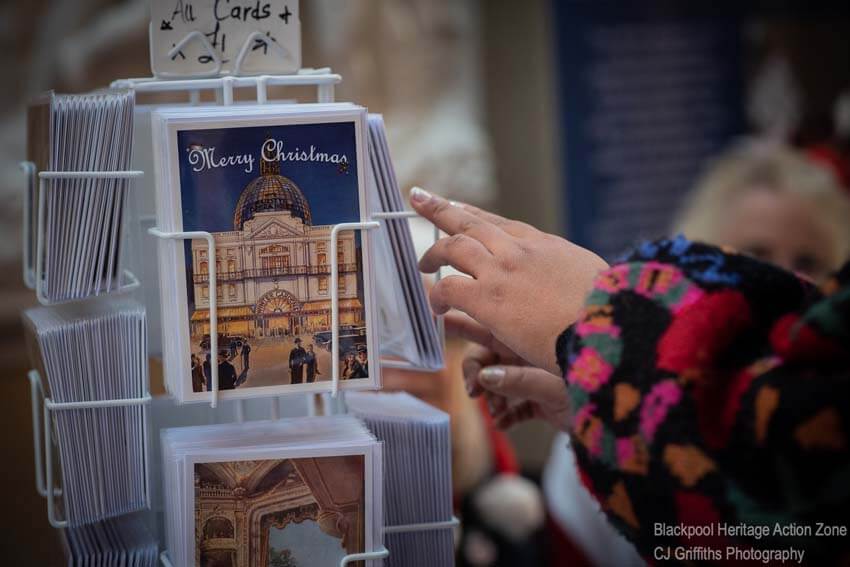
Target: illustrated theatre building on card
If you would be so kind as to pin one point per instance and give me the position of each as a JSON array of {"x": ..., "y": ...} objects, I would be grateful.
[{"x": 273, "y": 269}]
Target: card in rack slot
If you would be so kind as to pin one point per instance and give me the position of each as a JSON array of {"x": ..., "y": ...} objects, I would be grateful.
[
  {"x": 306, "y": 491},
  {"x": 269, "y": 184},
  {"x": 77, "y": 221}
]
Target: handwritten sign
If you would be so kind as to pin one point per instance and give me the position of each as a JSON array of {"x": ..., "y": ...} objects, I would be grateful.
[{"x": 204, "y": 38}]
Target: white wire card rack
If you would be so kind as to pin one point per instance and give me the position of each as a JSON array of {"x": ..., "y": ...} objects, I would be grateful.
[
  {"x": 42, "y": 430},
  {"x": 324, "y": 81},
  {"x": 33, "y": 268},
  {"x": 39, "y": 182}
]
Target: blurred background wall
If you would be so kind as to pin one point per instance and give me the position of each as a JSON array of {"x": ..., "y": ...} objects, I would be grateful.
[
  {"x": 590, "y": 119},
  {"x": 650, "y": 91}
]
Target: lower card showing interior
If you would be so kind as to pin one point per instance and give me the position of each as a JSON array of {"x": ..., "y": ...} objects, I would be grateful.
[{"x": 282, "y": 512}]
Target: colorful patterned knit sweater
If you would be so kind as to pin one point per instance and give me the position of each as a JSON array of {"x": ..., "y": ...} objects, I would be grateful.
[{"x": 709, "y": 388}]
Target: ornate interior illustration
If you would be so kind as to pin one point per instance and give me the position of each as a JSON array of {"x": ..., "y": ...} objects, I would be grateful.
[{"x": 239, "y": 503}]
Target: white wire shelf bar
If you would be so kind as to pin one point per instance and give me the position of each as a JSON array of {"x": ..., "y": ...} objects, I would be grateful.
[
  {"x": 422, "y": 527},
  {"x": 42, "y": 434},
  {"x": 334, "y": 285},
  {"x": 37, "y": 397},
  {"x": 29, "y": 170},
  {"x": 381, "y": 553},
  {"x": 212, "y": 284},
  {"x": 323, "y": 79},
  {"x": 33, "y": 269}
]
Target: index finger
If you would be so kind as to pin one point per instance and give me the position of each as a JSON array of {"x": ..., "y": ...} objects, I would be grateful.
[
  {"x": 453, "y": 220},
  {"x": 513, "y": 227}
]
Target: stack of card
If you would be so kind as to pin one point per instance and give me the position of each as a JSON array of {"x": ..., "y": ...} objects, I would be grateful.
[
  {"x": 86, "y": 352},
  {"x": 268, "y": 183},
  {"x": 302, "y": 491},
  {"x": 81, "y": 218},
  {"x": 408, "y": 329},
  {"x": 122, "y": 541},
  {"x": 417, "y": 474}
]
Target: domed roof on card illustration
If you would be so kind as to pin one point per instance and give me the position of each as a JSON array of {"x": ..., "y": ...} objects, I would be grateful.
[{"x": 271, "y": 192}]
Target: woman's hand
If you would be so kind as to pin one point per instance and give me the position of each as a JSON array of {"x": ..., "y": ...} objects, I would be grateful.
[
  {"x": 526, "y": 286},
  {"x": 514, "y": 390}
]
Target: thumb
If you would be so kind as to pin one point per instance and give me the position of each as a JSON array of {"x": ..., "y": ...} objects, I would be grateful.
[{"x": 523, "y": 382}]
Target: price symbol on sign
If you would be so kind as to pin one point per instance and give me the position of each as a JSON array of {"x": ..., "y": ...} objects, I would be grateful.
[{"x": 286, "y": 14}]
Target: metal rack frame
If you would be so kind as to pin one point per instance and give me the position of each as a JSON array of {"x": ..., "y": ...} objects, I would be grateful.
[
  {"x": 33, "y": 269},
  {"x": 223, "y": 87},
  {"x": 381, "y": 553},
  {"x": 323, "y": 79},
  {"x": 43, "y": 431}
]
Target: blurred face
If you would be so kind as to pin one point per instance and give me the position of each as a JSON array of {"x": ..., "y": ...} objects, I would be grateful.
[{"x": 781, "y": 229}]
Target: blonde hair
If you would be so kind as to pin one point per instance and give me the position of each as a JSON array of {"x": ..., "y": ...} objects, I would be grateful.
[{"x": 776, "y": 168}]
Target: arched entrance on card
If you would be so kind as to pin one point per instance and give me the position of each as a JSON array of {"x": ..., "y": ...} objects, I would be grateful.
[{"x": 278, "y": 314}]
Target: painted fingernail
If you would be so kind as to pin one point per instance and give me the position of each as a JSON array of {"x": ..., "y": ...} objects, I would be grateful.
[
  {"x": 492, "y": 375},
  {"x": 419, "y": 195}
]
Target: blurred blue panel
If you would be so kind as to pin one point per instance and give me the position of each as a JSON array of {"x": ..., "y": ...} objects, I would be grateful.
[{"x": 648, "y": 91}]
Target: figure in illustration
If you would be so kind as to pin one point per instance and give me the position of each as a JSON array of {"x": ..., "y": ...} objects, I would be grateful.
[
  {"x": 348, "y": 365},
  {"x": 198, "y": 379},
  {"x": 361, "y": 364},
  {"x": 246, "y": 354},
  {"x": 311, "y": 363},
  {"x": 226, "y": 372},
  {"x": 296, "y": 363}
]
